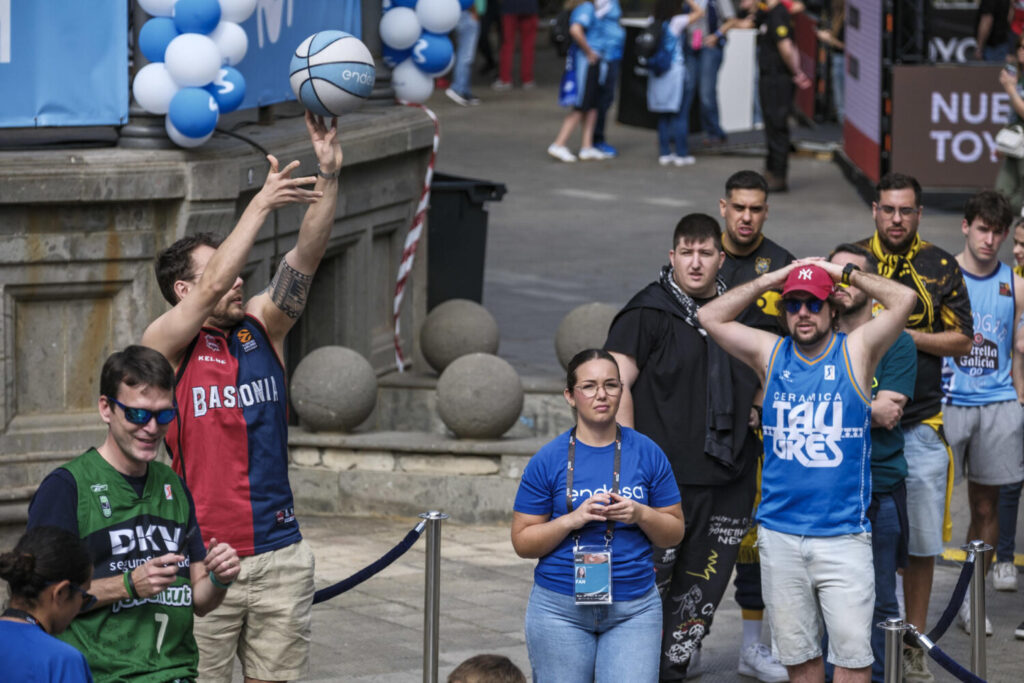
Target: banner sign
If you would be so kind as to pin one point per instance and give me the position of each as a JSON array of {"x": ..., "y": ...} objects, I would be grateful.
[
  {"x": 944, "y": 124},
  {"x": 63, "y": 63},
  {"x": 952, "y": 31},
  {"x": 275, "y": 29}
]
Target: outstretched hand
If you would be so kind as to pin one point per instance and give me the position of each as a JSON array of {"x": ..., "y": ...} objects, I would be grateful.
[
  {"x": 325, "y": 142},
  {"x": 280, "y": 189}
]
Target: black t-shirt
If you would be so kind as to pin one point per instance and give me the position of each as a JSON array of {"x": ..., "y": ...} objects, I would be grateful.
[
  {"x": 670, "y": 393},
  {"x": 737, "y": 270},
  {"x": 1000, "y": 11},
  {"x": 773, "y": 26}
]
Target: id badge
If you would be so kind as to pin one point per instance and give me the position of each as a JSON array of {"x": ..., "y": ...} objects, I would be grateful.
[{"x": 593, "y": 570}]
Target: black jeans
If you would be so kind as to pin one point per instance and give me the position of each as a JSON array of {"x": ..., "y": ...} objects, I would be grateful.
[
  {"x": 693, "y": 576},
  {"x": 776, "y": 93}
]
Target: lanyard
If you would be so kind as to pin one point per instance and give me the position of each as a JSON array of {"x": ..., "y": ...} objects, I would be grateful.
[
  {"x": 21, "y": 614},
  {"x": 610, "y": 531}
]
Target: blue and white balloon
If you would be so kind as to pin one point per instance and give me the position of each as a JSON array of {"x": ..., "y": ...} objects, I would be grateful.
[
  {"x": 392, "y": 4},
  {"x": 438, "y": 16},
  {"x": 196, "y": 16},
  {"x": 193, "y": 60},
  {"x": 228, "y": 89},
  {"x": 181, "y": 140},
  {"x": 236, "y": 10},
  {"x": 158, "y": 8},
  {"x": 465, "y": 4},
  {"x": 399, "y": 28},
  {"x": 433, "y": 53},
  {"x": 410, "y": 83},
  {"x": 393, "y": 57},
  {"x": 193, "y": 112},
  {"x": 154, "y": 37},
  {"x": 153, "y": 88},
  {"x": 231, "y": 40}
]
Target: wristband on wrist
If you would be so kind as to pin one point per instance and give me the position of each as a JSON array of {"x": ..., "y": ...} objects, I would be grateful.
[
  {"x": 330, "y": 176},
  {"x": 129, "y": 586},
  {"x": 218, "y": 584}
]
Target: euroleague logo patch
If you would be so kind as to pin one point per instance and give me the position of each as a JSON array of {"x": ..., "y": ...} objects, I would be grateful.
[{"x": 248, "y": 343}]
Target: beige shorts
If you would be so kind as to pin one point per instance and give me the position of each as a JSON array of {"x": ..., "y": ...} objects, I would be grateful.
[
  {"x": 986, "y": 442},
  {"x": 265, "y": 617}
]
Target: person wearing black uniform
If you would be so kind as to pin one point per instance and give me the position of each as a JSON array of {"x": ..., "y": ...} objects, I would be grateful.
[
  {"x": 694, "y": 401},
  {"x": 779, "y": 70}
]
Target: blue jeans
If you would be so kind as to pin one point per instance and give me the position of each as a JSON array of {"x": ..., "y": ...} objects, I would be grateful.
[
  {"x": 672, "y": 127},
  {"x": 885, "y": 538},
  {"x": 466, "y": 33},
  {"x": 605, "y": 99},
  {"x": 570, "y": 643},
  {"x": 702, "y": 79},
  {"x": 1009, "y": 503}
]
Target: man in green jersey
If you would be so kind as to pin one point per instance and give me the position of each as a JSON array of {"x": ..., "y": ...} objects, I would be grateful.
[{"x": 151, "y": 572}]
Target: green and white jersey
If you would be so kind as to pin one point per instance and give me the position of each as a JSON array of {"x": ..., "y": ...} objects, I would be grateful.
[{"x": 145, "y": 640}]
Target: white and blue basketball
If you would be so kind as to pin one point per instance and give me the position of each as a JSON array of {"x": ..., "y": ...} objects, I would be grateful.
[{"x": 332, "y": 73}]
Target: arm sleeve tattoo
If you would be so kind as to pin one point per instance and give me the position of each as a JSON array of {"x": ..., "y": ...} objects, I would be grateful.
[{"x": 289, "y": 289}]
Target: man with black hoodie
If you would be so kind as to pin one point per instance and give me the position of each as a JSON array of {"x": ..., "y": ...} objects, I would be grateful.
[{"x": 684, "y": 392}]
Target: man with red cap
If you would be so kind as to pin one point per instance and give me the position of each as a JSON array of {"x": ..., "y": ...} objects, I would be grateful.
[{"x": 814, "y": 536}]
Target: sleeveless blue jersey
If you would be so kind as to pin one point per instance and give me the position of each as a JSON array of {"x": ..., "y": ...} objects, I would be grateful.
[
  {"x": 983, "y": 376},
  {"x": 816, "y": 479}
]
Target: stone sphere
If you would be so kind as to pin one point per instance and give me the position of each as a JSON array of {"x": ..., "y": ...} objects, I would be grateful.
[
  {"x": 455, "y": 328},
  {"x": 584, "y": 327},
  {"x": 479, "y": 396},
  {"x": 333, "y": 389}
]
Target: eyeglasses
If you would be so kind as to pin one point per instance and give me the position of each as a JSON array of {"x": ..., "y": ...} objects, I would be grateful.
[
  {"x": 905, "y": 211},
  {"x": 141, "y": 416},
  {"x": 88, "y": 599},
  {"x": 793, "y": 306},
  {"x": 589, "y": 389}
]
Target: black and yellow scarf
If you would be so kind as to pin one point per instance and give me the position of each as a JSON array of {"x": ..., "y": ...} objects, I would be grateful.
[{"x": 900, "y": 267}]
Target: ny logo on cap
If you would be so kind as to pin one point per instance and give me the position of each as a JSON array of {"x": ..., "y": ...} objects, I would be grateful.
[{"x": 804, "y": 274}]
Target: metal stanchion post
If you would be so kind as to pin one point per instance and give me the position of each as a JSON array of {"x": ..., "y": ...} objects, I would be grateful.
[
  {"x": 893, "y": 627},
  {"x": 432, "y": 594},
  {"x": 978, "y": 664}
]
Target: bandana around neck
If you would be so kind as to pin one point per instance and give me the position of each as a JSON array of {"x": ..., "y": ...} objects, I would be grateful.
[{"x": 689, "y": 306}]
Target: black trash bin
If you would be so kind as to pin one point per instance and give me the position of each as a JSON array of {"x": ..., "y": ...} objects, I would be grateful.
[{"x": 457, "y": 237}]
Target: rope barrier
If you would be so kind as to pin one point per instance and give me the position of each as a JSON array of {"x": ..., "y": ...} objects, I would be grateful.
[
  {"x": 371, "y": 569},
  {"x": 955, "y": 601},
  {"x": 947, "y": 663}
]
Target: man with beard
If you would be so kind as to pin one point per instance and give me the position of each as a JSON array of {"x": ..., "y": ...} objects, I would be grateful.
[
  {"x": 940, "y": 325},
  {"x": 685, "y": 393},
  {"x": 815, "y": 549},
  {"x": 230, "y": 439},
  {"x": 891, "y": 389}
]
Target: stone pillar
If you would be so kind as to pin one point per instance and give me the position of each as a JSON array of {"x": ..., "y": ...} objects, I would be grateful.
[{"x": 383, "y": 93}]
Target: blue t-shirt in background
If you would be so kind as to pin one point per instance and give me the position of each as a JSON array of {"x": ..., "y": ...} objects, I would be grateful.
[
  {"x": 645, "y": 476},
  {"x": 30, "y": 654},
  {"x": 604, "y": 34}
]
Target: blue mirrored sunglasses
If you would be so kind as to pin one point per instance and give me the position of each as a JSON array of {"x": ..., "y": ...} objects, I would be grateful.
[
  {"x": 793, "y": 305},
  {"x": 141, "y": 416}
]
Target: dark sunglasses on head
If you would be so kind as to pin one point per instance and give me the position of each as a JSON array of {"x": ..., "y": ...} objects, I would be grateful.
[
  {"x": 793, "y": 305},
  {"x": 141, "y": 416},
  {"x": 88, "y": 599}
]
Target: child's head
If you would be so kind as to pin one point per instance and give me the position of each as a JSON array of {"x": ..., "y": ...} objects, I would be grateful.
[{"x": 487, "y": 669}]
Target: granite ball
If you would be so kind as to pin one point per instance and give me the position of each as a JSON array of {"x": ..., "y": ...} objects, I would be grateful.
[
  {"x": 584, "y": 327},
  {"x": 479, "y": 396},
  {"x": 333, "y": 389},
  {"x": 455, "y": 328}
]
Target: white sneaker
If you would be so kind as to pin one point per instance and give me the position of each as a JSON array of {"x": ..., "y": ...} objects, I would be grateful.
[
  {"x": 963, "y": 617},
  {"x": 562, "y": 153},
  {"x": 666, "y": 159},
  {"x": 757, "y": 662},
  {"x": 685, "y": 161},
  {"x": 592, "y": 154},
  {"x": 1004, "y": 576}
]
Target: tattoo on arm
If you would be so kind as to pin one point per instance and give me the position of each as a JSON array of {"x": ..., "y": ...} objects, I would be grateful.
[{"x": 289, "y": 289}]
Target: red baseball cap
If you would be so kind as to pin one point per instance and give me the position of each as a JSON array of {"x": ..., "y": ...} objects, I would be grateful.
[{"x": 809, "y": 279}]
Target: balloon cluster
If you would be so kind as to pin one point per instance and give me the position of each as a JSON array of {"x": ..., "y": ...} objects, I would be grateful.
[
  {"x": 193, "y": 47},
  {"x": 416, "y": 44}
]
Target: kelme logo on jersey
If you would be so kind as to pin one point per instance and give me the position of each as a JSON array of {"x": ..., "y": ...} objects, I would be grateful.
[{"x": 809, "y": 429}]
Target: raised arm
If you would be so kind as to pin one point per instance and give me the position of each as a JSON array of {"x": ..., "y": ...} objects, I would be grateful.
[
  {"x": 718, "y": 317},
  {"x": 282, "y": 302},
  {"x": 628, "y": 372},
  {"x": 171, "y": 333}
]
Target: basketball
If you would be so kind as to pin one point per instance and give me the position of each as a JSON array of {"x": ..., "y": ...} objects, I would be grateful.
[{"x": 332, "y": 73}]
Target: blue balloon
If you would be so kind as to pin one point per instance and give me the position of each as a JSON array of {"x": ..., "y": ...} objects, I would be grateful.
[
  {"x": 193, "y": 112},
  {"x": 154, "y": 36},
  {"x": 432, "y": 52},
  {"x": 391, "y": 4},
  {"x": 465, "y": 4},
  {"x": 228, "y": 89},
  {"x": 393, "y": 57},
  {"x": 196, "y": 16}
]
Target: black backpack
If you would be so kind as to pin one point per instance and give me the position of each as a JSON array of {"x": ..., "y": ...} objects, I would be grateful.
[{"x": 559, "y": 32}]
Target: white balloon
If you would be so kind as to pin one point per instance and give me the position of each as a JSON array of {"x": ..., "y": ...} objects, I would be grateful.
[
  {"x": 438, "y": 16},
  {"x": 153, "y": 88},
  {"x": 231, "y": 40},
  {"x": 158, "y": 8},
  {"x": 236, "y": 10},
  {"x": 399, "y": 27},
  {"x": 181, "y": 140},
  {"x": 410, "y": 83},
  {"x": 193, "y": 60}
]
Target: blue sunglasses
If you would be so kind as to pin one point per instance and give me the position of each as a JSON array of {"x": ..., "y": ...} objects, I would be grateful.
[
  {"x": 793, "y": 306},
  {"x": 141, "y": 416}
]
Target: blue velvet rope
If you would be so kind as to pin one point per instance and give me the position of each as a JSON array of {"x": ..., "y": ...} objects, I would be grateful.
[
  {"x": 947, "y": 663},
  {"x": 954, "y": 603},
  {"x": 369, "y": 570}
]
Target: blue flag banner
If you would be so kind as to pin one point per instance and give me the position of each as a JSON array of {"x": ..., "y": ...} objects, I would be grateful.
[
  {"x": 275, "y": 29},
  {"x": 64, "y": 63}
]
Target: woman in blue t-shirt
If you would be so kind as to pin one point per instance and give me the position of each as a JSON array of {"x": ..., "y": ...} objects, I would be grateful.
[
  {"x": 48, "y": 572},
  {"x": 617, "y": 636}
]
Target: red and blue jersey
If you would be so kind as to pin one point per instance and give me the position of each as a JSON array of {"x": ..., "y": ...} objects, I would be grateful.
[{"x": 230, "y": 441}]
